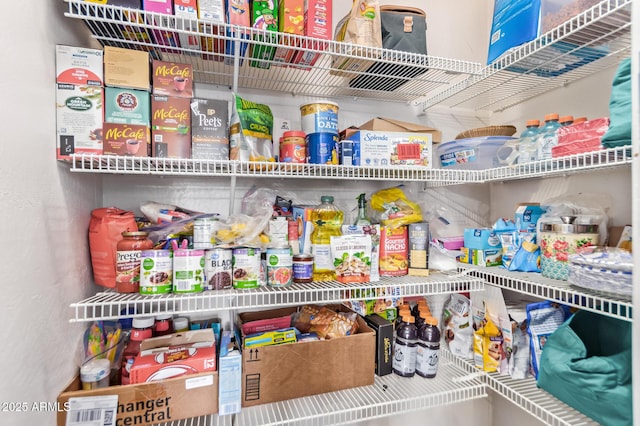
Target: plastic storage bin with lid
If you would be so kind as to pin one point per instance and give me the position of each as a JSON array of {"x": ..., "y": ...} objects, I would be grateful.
[{"x": 472, "y": 153}]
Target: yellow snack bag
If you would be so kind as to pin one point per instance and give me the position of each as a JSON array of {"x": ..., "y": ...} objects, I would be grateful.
[{"x": 397, "y": 210}]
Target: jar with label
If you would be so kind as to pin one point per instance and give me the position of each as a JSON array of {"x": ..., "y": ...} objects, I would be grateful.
[
  {"x": 128, "y": 255},
  {"x": 293, "y": 148},
  {"x": 142, "y": 329},
  {"x": 163, "y": 325},
  {"x": 302, "y": 268}
]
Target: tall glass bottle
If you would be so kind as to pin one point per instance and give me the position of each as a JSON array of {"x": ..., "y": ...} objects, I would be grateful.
[
  {"x": 362, "y": 218},
  {"x": 327, "y": 220}
]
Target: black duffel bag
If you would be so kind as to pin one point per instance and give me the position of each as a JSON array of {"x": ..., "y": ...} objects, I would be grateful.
[{"x": 403, "y": 29}]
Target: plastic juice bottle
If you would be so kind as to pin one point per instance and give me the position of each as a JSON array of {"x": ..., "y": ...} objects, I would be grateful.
[
  {"x": 327, "y": 220},
  {"x": 406, "y": 345},
  {"x": 528, "y": 151},
  {"x": 142, "y": 329},
  {"x": 416, "y": 308},
  {"x": 548, "y": 138},
  {"x": 428, "y": 349},
  {"x": 362, "y": 218},
  {"x": 422, "y": 313}
]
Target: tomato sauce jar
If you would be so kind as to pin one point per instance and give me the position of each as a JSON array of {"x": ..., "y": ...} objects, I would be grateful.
[{"x": 129, "y": 250}]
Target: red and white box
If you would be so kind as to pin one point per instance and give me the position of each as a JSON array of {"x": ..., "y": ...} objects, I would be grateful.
[
  {"x": 317, "y": 24},
  {"x": 79, "y": 66}
]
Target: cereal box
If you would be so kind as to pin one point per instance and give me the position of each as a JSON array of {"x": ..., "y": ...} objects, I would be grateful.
[
  {"x": 209, "y": 129},
  {"x": 172, "y": 79},
  {"x": 264, "y": 16},
  {"x": 162, "y": 36},
  {"x": 290, "y": 21},
  {"x": 78, "y": 119},
  {"x": 317, "y": 24},
  {"x": 170, "y": 127},
  {"x": 238, "y": 13},
  {"x": 126, "y": 139},
  {"x": 79, "y": 65},
  {"x": 187, "y": 9},
  {"x": 212, "y": 13},
  {"x": 126, "y": 106}
]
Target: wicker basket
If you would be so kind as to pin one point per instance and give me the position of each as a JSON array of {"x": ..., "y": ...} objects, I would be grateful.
[{"x": 487, "y": 131}]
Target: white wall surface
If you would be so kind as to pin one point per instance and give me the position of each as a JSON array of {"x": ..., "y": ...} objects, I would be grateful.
[{"x": 46, "y": 208}]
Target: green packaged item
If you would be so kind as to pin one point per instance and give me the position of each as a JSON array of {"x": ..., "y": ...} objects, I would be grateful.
[
  {"x": 264, "y": 16},
  {"x": 251, "y": 132},
  {"x": 619, "y": 133},
  {"x": 586, "y": 363}
]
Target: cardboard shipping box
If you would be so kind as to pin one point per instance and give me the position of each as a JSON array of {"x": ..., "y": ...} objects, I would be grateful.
[
  {"x": 277, "y": 373},
  {"x": 382, "y": 124},
  {"x": 151, "y": 403}
]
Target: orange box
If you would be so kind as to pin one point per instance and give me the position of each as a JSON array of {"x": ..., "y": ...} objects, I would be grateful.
[
  {"x": 290, "y": 21},
  {"x": 317, "y": 24},
  {"x": 126, "y": 139},
  {"x": 175, "y": 355},
  {"x": 394, "y": 251}
]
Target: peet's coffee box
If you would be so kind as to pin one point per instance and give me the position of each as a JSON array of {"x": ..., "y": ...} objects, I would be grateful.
[
  {"x": 126, "y": 106},
  {"x": 209, "y": 129},
  {"x": 126, "y": 139},
  {"x": 170, "y": 127},
  {"x": 172, "y": 79},
  {"x": 78, "y": 120}
]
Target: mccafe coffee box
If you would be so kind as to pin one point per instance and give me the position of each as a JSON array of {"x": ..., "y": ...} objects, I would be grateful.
[
  {"x": 172, "y": 79},
  {"x": 209, "y": 129},
  {"x": 170, "y": 127},
  {"x": 126, "y": 139},
  {"x": 126, "y": 106},
  {"x": 78, "y": 119}
]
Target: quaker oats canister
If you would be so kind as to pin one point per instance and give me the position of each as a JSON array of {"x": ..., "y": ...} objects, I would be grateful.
[{"x": 320, "y": 117}]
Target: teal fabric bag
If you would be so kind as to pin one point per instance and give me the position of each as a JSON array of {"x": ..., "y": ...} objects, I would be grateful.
[
  {"x": 586, "y": 363},
  {"x": 619, "y": 132}
]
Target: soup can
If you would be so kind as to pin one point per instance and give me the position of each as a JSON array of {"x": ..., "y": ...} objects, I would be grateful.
[
  {"x": 246, "y": 267},
  {"x": 293, "y": 147},
  {"x": 218, "y": 268},
  {"x": 156, "y": 272},
  {"x": 320, "y": 117},
  {"x": 279, "y": 266},
  {"x": 203, "y": 228},
  {"x": 188, "y": 271},
  {"x": 322, "y": 148}
]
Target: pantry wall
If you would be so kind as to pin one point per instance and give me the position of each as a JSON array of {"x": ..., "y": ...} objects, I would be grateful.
[{"x": 47, "y": 207}]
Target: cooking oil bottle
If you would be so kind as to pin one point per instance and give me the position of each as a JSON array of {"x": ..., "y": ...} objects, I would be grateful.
[{"x": 327, "y": 220}]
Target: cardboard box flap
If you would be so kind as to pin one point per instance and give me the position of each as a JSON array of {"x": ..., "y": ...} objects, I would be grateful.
[
  {"x": 389, "y": 124},
  {"x": 193, "y": 338}
]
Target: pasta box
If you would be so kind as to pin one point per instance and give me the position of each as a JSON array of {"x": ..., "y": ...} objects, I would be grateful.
[{"x": 281, "y": 372}]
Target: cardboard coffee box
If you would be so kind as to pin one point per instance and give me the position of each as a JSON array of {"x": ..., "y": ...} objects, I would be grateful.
[
  {"x": 172, "y": 79},
  {"x": 384, "y": 343},
  {"x": 209, "y": 129},
  {"x": 127, "y": 106},
  {"x": 170, "y": 127},
  {"x": 147, "y": 403},
  {"x": 79, "y": 116},
  {"x": 126, "y": 68},
  {"x": 126, "y": 139},
  {"x": 79, "y": 66},
  {"x": 280, "y": 372}
]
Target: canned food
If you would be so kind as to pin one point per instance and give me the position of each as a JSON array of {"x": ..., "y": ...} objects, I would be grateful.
[
  {"x": 218, "y": 268},
  {"x": 203, "y": 229},
  {"x": 188, "y": 271},
  {"x": 246, "y": 267},
  {"x": 156, "y": 272},
  {"x": 279, "y": 266},
  {"x": 320, "y": 117}
]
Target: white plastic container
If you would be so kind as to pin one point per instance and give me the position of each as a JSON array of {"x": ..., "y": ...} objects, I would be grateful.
[{"x": 471, "y": 153}]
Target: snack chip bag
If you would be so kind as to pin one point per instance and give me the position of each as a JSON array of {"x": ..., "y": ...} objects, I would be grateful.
[
  {"x": 396, "y": 209},
  {"x": 250, "y": 133}
]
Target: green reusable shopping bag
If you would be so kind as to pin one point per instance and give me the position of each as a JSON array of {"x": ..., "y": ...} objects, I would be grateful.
[
  {"x": 586, "y": 363},
  {"x": 619, "y": 132}
]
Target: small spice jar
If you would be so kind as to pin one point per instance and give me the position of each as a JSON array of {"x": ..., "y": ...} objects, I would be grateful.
[
  {"x": 302, "y": 268},
  {"x": 128, "y": 255}
]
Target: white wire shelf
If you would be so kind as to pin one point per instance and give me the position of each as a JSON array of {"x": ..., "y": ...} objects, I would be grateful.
[
  {"x": 577, "y": 163},
  {"x": 109, "y": 305},
  {"x": 389, "y": 395},
  {"x": 415, "y": 74},
  {"x": 534, "y": 284},
  {"x": 592, "y": 41}
]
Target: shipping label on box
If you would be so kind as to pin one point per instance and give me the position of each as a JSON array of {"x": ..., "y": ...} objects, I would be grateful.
[
  {"x": 172, "y": 79},
  {"x": 209, "y": 129},
  {"x": 126, "y": 106},
  {"x": 170, "y": 127},
  {"x": 79, "y": 119},
  {"x": 126, "y": 139},
  {"x": 126, "y": 68},
  {"x": 79, "y": 66}
]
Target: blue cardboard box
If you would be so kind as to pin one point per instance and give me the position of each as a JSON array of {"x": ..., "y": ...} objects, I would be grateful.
[
  {"x": 481, "y": 239},
  {"x": 527, "y": 217}
]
